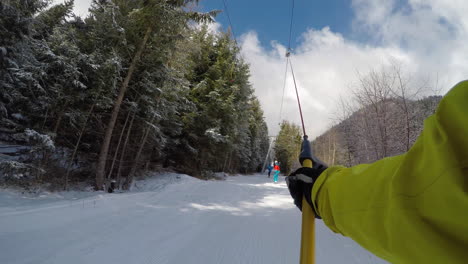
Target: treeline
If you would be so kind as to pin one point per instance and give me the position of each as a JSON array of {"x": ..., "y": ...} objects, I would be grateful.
[
  {"x": 383, "y": 118},
  {"x": 137, "y": 85}
]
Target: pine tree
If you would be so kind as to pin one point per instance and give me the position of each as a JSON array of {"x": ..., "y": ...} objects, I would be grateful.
[{"x": 287, "y": 146}]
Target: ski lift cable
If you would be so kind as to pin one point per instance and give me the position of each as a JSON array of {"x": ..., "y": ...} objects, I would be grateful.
[
  {"x": 288, "y": 52},
  {"x": 226, "y": 11},
  {"x": 229, "y": 20},
  {"x": 284, "y": 88},
  {"x": 297, "y": 95},
  {"x": 290, "y": 26}
]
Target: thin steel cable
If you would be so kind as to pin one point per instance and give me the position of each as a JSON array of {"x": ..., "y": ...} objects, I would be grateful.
[
  {"x": 285, "y": 73},
  {"x": 229, "y": 19},
  {"x": 284, "y": 88},
  {"x": 290, "y": 26},
  {"x": 288, "y": 52},
  {"x": 226, "y": 11},
  {"x": 297, "y": 95}
]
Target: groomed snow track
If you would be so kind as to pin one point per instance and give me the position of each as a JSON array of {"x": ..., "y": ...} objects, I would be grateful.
[{"x": 173, "y": 219}]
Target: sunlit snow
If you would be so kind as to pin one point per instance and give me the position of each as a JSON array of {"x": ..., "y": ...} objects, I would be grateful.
[{"x": 170, "y": 219}]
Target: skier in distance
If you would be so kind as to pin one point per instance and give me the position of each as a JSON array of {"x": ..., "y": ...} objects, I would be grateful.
[{"x": 276, "y": 171}]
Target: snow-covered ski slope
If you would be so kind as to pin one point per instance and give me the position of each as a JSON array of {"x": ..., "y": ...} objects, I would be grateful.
[{"x": 170, "y": 219}]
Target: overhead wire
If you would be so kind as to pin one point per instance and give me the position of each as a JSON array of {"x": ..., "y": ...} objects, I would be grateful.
[
  {"x": 290, "y": 26},
  {"x": 284, "y": 85},
  {"x": 226, "y": 11},
  {"x": 298, "y": 100},
  {"x": 288, "y": 60},
  {"x": 280, "y": 114},
  {"x": 284, "y": 88},
  {"x": 288, "y": 52}
]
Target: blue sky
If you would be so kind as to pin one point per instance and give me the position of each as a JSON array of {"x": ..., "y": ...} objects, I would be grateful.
[{"x": 271, "y": 19}]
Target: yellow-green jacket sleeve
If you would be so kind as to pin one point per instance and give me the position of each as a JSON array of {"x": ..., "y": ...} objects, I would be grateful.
[{"x": 411, "y": 208}]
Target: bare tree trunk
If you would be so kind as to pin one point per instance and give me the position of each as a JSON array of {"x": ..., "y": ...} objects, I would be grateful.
[
  {"x": 45, "y": 118},
  {"x": 137, "y": 157},
  {"x": 76, "y": 146},
  {"x": 383, "y": 132},
  {"x": 124, "y": 148},
  {"x": 225, "y": 161},
  {"x": 329, "y": 148},
  {"x": 344, "y": 116},
  {"x": 372, "y": 139},
  {"x": 101, "y": 167},
  {"x": 59, "y": 119},
  {"x": 118, "y": 146},
  {"x": 404, "y": 97},
  {"x": 408, "y": 128},
  {"x": 373, "y": 93},
  {"x": 334, "y": 148},
  {"x": 229, "y": 164}
]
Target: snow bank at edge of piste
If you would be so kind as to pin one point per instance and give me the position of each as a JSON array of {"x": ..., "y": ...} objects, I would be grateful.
[
  {"x": 156, "y": 181},
  {"x": 14, "y": 197}
]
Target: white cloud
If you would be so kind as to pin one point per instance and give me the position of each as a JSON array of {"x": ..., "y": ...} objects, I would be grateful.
[
  {"x": 428, "y": 37},
  {"x": 80, "y": 8},
  {"x": 324, "y": 65},
  {"x": 434, "y": 32},
  {"x": 214, "y": 27}
]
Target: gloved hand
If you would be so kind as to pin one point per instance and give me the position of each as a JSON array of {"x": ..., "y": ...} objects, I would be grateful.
[{"x": 300, "y": 184}]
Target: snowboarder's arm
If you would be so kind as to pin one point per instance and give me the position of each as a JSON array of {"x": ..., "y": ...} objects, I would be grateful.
[{"x": 411, "y": 208}]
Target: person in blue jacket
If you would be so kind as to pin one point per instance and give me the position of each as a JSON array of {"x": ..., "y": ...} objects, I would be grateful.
[{"x": 269, "y": 168}]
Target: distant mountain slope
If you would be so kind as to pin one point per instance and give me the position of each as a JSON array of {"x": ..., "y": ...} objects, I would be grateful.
[{"x": 375, "y": 131}]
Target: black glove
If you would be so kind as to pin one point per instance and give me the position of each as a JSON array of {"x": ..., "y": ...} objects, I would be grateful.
[{"x": 300, "y": 184}]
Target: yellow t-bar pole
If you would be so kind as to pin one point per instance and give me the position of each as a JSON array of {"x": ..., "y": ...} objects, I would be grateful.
[{"x": 308, "y": 217}]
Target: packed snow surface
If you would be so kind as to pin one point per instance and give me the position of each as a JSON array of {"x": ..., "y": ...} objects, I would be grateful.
[{"x": 168, "y": 219}]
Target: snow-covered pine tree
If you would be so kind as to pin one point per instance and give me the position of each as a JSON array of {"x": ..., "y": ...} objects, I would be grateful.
[{"x": 287, "y": 146}]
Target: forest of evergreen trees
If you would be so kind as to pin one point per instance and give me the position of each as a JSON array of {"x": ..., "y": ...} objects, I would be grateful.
[{"x": 136, "y": 85}]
